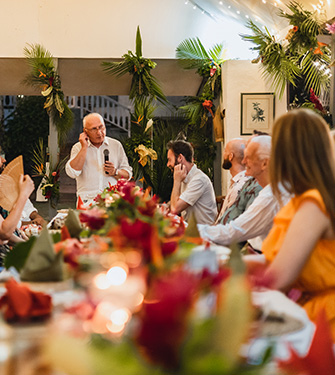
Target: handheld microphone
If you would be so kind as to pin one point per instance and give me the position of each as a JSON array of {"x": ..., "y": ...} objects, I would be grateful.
[{"x": 106, "y": 156}]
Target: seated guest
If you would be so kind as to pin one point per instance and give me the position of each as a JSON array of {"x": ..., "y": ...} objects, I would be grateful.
[
  {"x": 300, "y": 249},
  {"x": 255, "y": 223},
  {"x": 8, "y": 224},
  {"x": 192, "y": 190},
  {"x": 232, "y": 161},
  {"x": 31, "y": 215}
]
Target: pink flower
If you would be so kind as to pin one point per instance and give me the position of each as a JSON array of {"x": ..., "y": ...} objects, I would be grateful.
[
  {"x": 331, "y": 28},
  {"x": 212, "y": 71},
  {"x": 94, "y": 218}
]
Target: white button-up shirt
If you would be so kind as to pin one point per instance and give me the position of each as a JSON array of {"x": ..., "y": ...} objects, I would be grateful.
[
  {"x": 92, "y": 179},
  {"x": 253, "y": 225}
]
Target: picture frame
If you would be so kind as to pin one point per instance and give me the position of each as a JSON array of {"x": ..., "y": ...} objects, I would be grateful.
[{"x": 257, "y": 112}]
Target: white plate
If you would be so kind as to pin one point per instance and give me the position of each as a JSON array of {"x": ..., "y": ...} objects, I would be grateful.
[{"x": 222, "y": 252}]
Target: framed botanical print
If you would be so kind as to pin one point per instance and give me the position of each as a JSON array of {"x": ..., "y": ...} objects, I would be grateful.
[{"x": 257, "y": 112}]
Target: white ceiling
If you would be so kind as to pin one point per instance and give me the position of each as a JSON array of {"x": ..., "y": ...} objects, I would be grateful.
[{"x": 263, "y": 12}]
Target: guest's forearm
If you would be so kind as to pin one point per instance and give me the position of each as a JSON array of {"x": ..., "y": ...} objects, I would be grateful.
[
  {"x": 8, "y": 225},
  {"x": 78, "y": 162}
]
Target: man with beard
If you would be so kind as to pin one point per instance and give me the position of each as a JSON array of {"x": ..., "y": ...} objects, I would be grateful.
[
  {"x": 243, "y": 189},
  {"x": 192, "y": 190},
  {"x": 255, "y": 222},
  {"x": 232, "y": 161}
]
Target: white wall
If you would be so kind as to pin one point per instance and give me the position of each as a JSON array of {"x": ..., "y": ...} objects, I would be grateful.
[{"x": 242, "y": 77}]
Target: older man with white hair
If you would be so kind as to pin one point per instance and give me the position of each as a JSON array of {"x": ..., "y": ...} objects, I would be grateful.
[
  {"x": 96, "y": 160},
  {"x": 255, "y": 223}
]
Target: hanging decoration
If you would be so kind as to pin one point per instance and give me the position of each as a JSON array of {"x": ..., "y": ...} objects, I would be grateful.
[
  {"x": 300, "y": 59},
  {"x": 193, "y": 55},
  {"x": 45, "y": 77},
  {"x": 144, "y": 84}
]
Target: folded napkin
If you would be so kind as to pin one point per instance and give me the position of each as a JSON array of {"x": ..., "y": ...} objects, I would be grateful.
[
  {"x": 20, "y": 303},
  {"x": 73, "y": 225},
  {"x": 43, "y": 264},
  {"x": 192, "y": 233}
]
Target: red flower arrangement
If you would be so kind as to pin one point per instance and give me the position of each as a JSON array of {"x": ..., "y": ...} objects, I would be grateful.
[{"x": 131, "y": 218}]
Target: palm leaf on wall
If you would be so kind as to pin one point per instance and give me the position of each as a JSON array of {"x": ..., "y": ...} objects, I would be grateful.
[
  {"x": 143, "y": 83},
  {"x": 192, "y": 54},
  {"x": 300, "y": 56},
  {"x": 44, "y": 75}
]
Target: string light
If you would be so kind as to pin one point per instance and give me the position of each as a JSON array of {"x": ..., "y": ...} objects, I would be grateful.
[{"x": 196, "y": 6}]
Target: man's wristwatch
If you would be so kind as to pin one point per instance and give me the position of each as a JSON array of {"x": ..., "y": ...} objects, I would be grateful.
[{"x": 116, "y": 172}]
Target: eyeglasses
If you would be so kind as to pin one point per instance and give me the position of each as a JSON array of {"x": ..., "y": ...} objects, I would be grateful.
[{"x": 97, "y": 129}]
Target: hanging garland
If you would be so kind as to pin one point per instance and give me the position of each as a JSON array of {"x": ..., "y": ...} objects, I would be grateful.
[
  {"x": 299, "y": 59},
  {"x": 44, "y": 75}
]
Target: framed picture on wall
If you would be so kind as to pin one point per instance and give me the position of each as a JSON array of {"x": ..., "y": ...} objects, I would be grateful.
[{"x": 257, "y": 112}]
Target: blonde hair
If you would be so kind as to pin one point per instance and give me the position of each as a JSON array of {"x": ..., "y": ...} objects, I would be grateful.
[{"x": 303, "y": 157}]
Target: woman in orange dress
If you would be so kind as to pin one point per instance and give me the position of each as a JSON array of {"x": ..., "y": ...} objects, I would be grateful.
[{"x": 300, "y": 248}]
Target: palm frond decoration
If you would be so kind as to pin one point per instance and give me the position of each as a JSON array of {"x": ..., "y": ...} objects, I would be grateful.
[
  {"x": 192, "y": 54},
  {"x": 44, "y": 75},
  {"x": 143, "y": 83},
  {"x": 315, "y": 78},
  {"x": 297, "y": 58}
]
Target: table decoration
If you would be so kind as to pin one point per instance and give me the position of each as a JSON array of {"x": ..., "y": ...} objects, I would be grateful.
[
  {"x": 320, "y": 358},
  {"x": 36, "y": 259},
  {"x": 20, "y": 303},
  {"x": 130, "y": 218}
]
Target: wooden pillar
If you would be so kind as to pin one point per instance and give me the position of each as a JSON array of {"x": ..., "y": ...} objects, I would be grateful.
[
  {"x": 332, "y": 81},
  {"x": 53, "y": 136}
]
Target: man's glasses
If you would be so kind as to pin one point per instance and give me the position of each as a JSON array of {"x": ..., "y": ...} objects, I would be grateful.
[{"x": 97, "y": 129}]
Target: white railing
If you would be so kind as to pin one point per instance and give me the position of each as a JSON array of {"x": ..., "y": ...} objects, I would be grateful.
[{"x": 112, "y": 111}]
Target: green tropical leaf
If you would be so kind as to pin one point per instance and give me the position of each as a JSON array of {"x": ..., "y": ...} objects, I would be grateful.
[
  {"x": 143, "y": 83},
  {"x": 138, "y": 43},
  {"x": 192, "y": 54}
]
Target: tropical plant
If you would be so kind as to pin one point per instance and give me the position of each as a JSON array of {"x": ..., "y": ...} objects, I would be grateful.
[
  {"x": 300, "y": 59},
  {"x": 44, "y": 75},
  {"x": 143, "y": 84},
  {"x": 192, "y": 55},
  {"x": 50, "y": 176}
]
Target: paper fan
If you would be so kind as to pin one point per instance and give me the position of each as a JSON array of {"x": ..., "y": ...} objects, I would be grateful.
[{"x": 9, "y": 183}]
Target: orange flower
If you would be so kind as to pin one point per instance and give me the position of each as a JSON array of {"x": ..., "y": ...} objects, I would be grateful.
[
  {"x": 295, "y": 28},
  {"x": 41, "y": 74},
  {"x": 317, "y": 50}
]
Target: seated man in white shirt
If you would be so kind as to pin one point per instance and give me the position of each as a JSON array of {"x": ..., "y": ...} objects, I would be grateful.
[
  {"x": 96, "y": 160},
  {"x": 192, "y": 190},
  {"x": 31, "y": 215},
  {"x": 232, "y": 161},
  {"x": 255, "y": 223}
]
